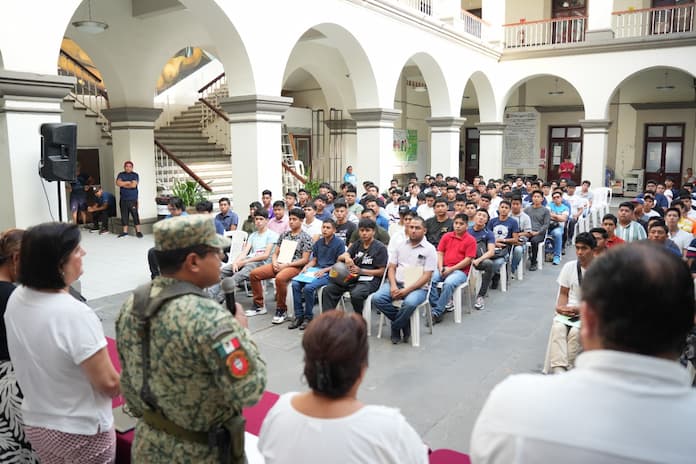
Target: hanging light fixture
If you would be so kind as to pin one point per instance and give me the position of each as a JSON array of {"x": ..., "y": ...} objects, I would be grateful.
[
  {"x": 556, "y": 90},
  {"x": 417, "y": 86},
  {"x": 666, "y": 85},
  {"x": 90, "y": 25}
]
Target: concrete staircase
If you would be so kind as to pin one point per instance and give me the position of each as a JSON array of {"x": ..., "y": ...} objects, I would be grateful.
[{"x": 185, "y": 139}]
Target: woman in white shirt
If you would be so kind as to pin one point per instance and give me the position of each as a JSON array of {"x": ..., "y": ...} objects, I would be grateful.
[
  {"x": 329, "y": 423},
  {"x": 58, "y": 349}
]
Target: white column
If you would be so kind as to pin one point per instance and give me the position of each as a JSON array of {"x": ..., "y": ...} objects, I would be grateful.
[
  {"x": 493, "y": 12},
  {"x": 599, "y": 21},
  {"x": 255, "y": 137},
  {"x": 133, "y": 138},
  {"x": 491, "y": 149},
  {"x": 28, "y": 100},
  {"x": 595, "y": 140},
  {"x": 375, "y": 144},
  {"x": 444, "y": 144}
]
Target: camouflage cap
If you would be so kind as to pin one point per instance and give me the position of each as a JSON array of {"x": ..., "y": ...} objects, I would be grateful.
[{"x": 187, "y": 231}]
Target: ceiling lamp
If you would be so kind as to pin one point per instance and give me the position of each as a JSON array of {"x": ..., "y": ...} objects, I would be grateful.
[
  {"x": 90, "y": 26},
  {"x": 666, "y": 85},
  {"x": 556, "y": 90}
]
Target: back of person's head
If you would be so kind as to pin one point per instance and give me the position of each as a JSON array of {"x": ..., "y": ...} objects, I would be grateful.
[
  {"x": 45, "y": 249},
  {"x": 10, "y": 243},
  {"x": 204, "y": 207},
  {"x": 335, "y": 346},
  {"x": 643, "y": 298}
]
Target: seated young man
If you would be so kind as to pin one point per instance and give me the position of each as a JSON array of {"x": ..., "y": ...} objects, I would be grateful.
[
  {"x": 344, "y": 227},
  {"x": 455, "y": 253},
  {"x": 283, "y": 272},
  {"x": 506, "y": 233},
  {"x": 256, "y": 252},
  {"x": 380, "y": 234},
  {"x": 311, "y": 225},
  {"x": 487, "y": 263},
  {"x": 416, "y": 252},
  {"x": 103, "y": 208},
  {"x": 325, "y": 253},
  {"x": 559, "y": 217},
  {"x": 565, "y": 331},
  {"x": 366, "y": 258}
]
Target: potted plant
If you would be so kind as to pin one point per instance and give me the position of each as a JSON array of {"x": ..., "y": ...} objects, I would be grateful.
[{"x": 189, "y": 191}]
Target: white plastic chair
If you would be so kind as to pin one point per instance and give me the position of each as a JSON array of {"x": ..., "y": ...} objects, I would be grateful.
[
  {"x": 457, "y": 297},
  {"x": 238, "y": 237},
  {"x": 415, "y": 319}
]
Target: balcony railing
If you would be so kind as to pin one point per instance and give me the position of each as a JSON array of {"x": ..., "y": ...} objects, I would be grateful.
[
  {"x": 654, "y": 21},
  {"x": 426, "y": 7},
  {"x": 472, "y": 24},
  {"x": 545, "y": 32}
]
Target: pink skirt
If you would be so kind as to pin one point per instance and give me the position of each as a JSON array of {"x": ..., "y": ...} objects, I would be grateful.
[{"x": 54, "y": 447}]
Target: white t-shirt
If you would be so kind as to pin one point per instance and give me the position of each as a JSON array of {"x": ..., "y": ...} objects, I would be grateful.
[
  {"x": 681, "y": 238},
  {"x": 374, "y": 434},
  {"x": 569, "y": 278},
  {"x": 425, "y": 211},
  {"x": 49, "y": 335},
  {"x": 312, "y": 229}
]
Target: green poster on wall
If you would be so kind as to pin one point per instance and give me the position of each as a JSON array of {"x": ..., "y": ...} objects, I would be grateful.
[{"x": 406, "y": 145}]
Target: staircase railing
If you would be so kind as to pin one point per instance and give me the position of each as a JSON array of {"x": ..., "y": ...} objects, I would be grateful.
[
  {"x": 169, "y": 169},
  {"x": 214, "y": 121},
  {"x": 88, "y": 90}
]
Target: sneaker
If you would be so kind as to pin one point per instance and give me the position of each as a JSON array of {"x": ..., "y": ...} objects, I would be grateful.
[
  {"x": 449, "y": 307},
  {"x": 437, "y": 318},
  {"x": 297, "y": 322},
  {"x": 256, "y": 311},
  {"x": 513, "y": 275},
  {"x": 305, "y": 323},
  {"x": 103, "y": 231},
  {"x": 556, "y": 260},
  {"x": 480, "y": 304},
  {"x": 533, "y": 267},
  {"x": 495, "y": 281},
  {"x": 395, "y": 336},
  {"x": 122, "y": 234},
  {"x": 279, "y": 317},
  {"x": 407, "y": 334},
  {"x": 139, "y": 234}
]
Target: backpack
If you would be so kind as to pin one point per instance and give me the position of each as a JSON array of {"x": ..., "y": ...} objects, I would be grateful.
[
  {"x": 548, "y": 249},
  {"x": 481, "y": 246}
]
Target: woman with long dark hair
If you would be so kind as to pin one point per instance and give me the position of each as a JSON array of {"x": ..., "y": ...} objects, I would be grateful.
[
  {"x": 58, "y": 350},
  {"x": 328, "y": 423}
]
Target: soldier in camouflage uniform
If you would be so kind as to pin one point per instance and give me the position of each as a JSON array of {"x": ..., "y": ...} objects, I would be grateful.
[{"x": 203, "y": 365}]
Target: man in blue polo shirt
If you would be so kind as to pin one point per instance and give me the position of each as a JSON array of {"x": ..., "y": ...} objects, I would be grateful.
[
  {"x": 226, "y": 217},
  {"x": 325, "y": 253}
]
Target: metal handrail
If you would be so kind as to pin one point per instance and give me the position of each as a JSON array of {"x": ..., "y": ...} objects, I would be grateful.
[{"x": 182, "y": 165}]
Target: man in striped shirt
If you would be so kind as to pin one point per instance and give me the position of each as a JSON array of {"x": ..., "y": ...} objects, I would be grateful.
[{"x": 627, "y": 229}]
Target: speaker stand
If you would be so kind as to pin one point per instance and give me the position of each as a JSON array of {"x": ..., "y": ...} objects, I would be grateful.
[{"x": 60, "y": 204}]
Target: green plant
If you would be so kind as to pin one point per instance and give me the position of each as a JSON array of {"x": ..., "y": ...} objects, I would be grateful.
[
  {"x": 312, "y": 185},
  {"x": 189, "y": 191}
]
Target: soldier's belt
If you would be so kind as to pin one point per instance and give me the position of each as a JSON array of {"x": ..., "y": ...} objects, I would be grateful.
[{"x": 157, "y": 421}]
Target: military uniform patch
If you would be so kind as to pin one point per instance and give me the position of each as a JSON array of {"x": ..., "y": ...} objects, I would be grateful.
[
  {"x": 227, "y": 345},
  {"x": 238, "y": 364}
]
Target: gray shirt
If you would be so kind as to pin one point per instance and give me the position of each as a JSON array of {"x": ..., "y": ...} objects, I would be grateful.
[
  {"x": 523, "y": 221},
  {"x": 540, "y": 217}
]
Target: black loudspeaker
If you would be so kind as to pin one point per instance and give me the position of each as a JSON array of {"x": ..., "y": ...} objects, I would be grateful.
[{"x": 58, "y": 151}]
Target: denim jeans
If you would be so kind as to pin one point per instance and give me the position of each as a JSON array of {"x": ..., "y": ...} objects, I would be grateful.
[
  {"x": 440, "y": 297},
  {"x": 557, "y": 233},
  {"x": 300, "y": 289},
  {"x": 400, "y": 317}
]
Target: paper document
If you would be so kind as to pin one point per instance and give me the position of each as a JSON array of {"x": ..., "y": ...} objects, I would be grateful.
[
  {"x": 287, "y": 251},
  {"x": 566, "y": 320},
  {"x": 307, "y": 276},
  {"x": 412, "y": 274}
]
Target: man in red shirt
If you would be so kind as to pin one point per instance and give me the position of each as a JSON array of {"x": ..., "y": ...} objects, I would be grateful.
[
  {"x": 455, "y": 252},
  {"x": 609, "y": 224}
]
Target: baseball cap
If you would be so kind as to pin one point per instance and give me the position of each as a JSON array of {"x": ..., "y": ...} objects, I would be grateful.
[
  {"x": 186, "y": 231},
  {"x": 403, "y": 209}
]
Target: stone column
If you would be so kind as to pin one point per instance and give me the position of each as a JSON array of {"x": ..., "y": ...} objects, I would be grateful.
[
  {"x": 444, "y": 144},
  {"x": 491, "y": 149},
  {"x": 133, "y": 139},
  {"x": 595, "y": 140},
  {"x": 599, "y": 21},
  {"x": 28, "y": 100},
  {"x": 255, "y": 136},
  {"x": 375, "y": 144}
]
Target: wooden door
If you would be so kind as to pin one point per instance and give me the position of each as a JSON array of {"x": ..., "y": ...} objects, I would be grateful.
[
  {"x": 564, "y": 141},
  {"x": 471, "y": 153},
  {"x": 663, "y": 152}
]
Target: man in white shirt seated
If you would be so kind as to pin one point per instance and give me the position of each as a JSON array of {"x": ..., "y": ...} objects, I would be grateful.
[
  {"x": 311, "y": 225},
  {"x": 628, "y": 400}
]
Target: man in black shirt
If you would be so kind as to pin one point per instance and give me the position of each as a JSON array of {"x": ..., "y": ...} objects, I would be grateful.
[
  {"x": 367, "y": 258},
  {"x": 440, "y": 224},
  {"x": 344, "y": 227}
]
